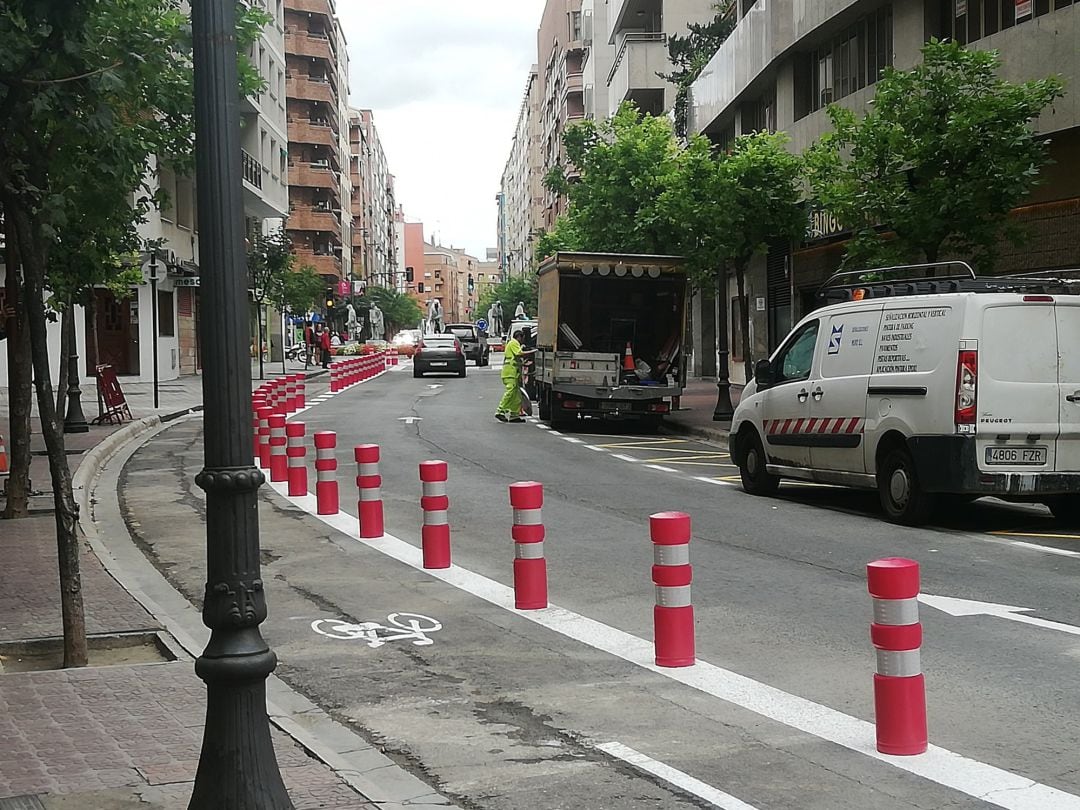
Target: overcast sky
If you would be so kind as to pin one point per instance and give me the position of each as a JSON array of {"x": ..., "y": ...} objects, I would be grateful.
[{"x": 446, "y": 79}]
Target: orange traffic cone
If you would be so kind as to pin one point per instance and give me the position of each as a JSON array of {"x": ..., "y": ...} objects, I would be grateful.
[
  {"x": 3, "y": 456},
  {"x": 628, "y": 359}
]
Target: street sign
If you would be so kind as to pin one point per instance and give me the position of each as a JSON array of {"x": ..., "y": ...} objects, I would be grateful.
[
  {"x": 481, "y": 324},
  {"x": 150, "y": 269}
]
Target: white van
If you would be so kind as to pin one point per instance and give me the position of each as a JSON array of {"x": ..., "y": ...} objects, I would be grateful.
[{"x": 949, "y": 386}]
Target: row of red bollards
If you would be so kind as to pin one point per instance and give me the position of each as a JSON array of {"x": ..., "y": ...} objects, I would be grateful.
[
  {"x": 893, "y": 583},
  {"x": 353, "y": 370}
]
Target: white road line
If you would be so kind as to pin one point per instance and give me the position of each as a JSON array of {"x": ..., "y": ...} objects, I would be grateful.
[
  {"x": 978, "y": 779},
  {"x": 683, "y": 781},
  {"x": 554, "y": 432},
  {"x": 571, "y": 439},
  {"x": 542, "y": 426},
  {"x": 718, "y": 483},
  {"x": 621, "y": 457},
  {"x": 1063, "y": 552},
  {"x": 597, "y": 449},
  {"x": 661, "y": 468}
]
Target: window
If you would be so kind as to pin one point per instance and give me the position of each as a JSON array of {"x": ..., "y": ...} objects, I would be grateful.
[
  {"x": 845, "y": 64},
  {"x": 167, "y": 182},
  {"x": 166, "y": 327},
  {"x": 797, "y": 357},
  {"x": 970, "y": 20},
  {"x": 759, "y": 115},
  {"x": 575, "y": 26},
  {"x": 185, "y": 206}
]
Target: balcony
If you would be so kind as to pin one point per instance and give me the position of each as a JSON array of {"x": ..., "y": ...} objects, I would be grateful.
[
  {"x": 302, "y": 43},
  {"x": 305, "y": 130},
  {"x": 324, "y": 264},
  {"x": 627, "y": 14},
  {"x": 319, "y": 7},
  {"x": 309, "y": 89},
  {"x": 575, "y": 82},
  {"x": 314, "y": 218},
  {"x": 314, "y": 175},
  {"x": 252, "y": 169},
  {"x": 633, "y": 75}
]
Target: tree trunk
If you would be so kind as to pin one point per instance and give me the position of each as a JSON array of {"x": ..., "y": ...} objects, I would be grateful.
[
  {"x": 92, "y": 343},
  {"x": 67, "y": 344},
  {"x": 20, "y": 387},
  {"x": 744, "y": 311},
  {"x": 67, "y": 541}
]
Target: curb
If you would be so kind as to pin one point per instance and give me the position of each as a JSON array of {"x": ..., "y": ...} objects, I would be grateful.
[
  {"x": 376, "y": 778},
  {"x": 717, "y": 434}
]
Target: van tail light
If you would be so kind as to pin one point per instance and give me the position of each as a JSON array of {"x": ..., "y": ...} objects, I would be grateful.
[{"x": 967, "y": 385}]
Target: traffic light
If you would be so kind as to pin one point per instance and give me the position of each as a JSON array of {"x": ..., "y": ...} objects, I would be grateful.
[
  {"x": 470, "y": 284},
  {"x": 420, "y": 287},
  {"x": 409, "y": 275},
  {"x": 329, "y": 297}
]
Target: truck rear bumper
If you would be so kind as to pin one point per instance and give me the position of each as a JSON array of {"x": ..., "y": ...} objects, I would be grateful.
[{"x": 949, "y": 464}]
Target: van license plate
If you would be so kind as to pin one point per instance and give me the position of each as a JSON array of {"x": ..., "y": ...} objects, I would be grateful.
[
  {"x": 1016, "y": 455},
  {"x": 438, "y": 363}
]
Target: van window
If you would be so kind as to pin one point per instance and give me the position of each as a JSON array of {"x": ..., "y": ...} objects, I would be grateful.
[
  {"x": 797, "y": 357},
  {"x": 1019, "y": 344},
  {"x": 853, "y": 337}
]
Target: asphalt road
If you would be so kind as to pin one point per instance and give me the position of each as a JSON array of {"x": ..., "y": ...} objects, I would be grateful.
[{"x": 502, "y": 712}]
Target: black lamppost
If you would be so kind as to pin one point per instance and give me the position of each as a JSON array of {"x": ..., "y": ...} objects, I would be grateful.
[
  {"x": 724, "y": 410},
  {"x": 237, "y": 766},
  {"x": 74, "y": 418}
]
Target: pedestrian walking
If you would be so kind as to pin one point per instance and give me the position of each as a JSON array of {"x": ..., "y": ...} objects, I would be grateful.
[
  {"x": 509, "y": 409},
  {"x": 324, "y": 346}
]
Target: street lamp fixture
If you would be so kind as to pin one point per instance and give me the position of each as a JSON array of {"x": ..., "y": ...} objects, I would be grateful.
[{"x": 237, "y": 766}]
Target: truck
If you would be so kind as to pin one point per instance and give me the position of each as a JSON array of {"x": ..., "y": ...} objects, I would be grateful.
[{"x": 610, "y": 340}]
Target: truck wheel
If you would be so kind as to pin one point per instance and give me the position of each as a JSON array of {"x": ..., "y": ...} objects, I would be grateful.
[
  {"x": 1066, "y": 509},
  {"x": 756, "y": 480},
  {"x": 544, "y": 405},
  {"x": 902, "y": 496}
]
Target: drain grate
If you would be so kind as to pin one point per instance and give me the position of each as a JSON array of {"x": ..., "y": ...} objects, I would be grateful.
[{"x": 21, "y": 803}]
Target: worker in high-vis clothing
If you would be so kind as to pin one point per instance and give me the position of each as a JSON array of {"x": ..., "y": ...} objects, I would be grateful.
[{"x": 509, "y": 409}]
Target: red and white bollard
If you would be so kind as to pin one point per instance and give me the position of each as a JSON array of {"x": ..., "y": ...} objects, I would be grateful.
[
  {"x": 290, "y": 394},
  {"x": 899, "y": 686},
  {"x": 279, "y": 462},
  {"x": 264, "y": 414},
  {"x": 326, "y": 486},
  {"x": 335, "y": 384},
  {"x": 530, "y": 567},
  {"x": 296, "y": 452},
  {"x": 301, "y": 390},
  {"x": 673, "y": 616},
  {"x": 257, "y": 401},
  {"x": 435, "y": 535},
  {"x": 369, "y": 483}
]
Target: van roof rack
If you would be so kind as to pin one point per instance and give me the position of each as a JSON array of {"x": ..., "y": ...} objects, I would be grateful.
[{"x": 886, "y": 282}]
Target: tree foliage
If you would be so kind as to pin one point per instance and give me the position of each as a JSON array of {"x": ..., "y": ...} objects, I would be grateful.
[
  {"x": 400, "y": 311},
  {"x": 623, "y": 166},
  {"x": 945, "y": 152},
  {"x": 690, "y": 53},
  {"x": 509, "y": 293}
]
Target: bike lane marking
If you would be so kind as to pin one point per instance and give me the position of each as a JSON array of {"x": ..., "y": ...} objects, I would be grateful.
[
  {"x": 683, "y": 781},
  {"x": 955, "y": 771}
]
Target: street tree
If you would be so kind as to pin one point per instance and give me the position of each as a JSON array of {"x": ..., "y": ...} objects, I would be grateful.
[
  {"x": 945, "y": 151},
  {"x": 690, "y": 53},
  {"x": 617, "y": 171},
  {"x": 509, "y": 293},
  {"x": 91, "y": 94},
  {"x": 270, "y": 261},
  {"x": 400, "y": 311},
  {"x": 729, "y": 205}
]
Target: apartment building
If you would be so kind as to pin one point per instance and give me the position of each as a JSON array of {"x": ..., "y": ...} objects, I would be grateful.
[
  {"x": 375, "y": 245},
  {"x": 521, "y": 195},
  {"x": 638, "y": 31},
  {"x": 319, "y": 221},
  {"x": 598, "y": 58},
  {"x": 787, "y": 60}
]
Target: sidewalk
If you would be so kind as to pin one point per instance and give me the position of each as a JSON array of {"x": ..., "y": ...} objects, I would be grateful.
[
  {"x": 126, "y": 731},
  {"x": 694, "y": 416}
]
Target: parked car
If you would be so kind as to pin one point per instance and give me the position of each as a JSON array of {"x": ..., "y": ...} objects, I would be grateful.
[
  {"x": 474, "y": 341},
  {"x": 928, "y": 389},
  {"x": 406, "y": 342},
  {"x": 439, "y": 353}
]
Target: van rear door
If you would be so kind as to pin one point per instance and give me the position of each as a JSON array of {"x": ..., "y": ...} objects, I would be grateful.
[
  {"x": 1017, "y": 400},
  {"x": 1068, "y": 330}
]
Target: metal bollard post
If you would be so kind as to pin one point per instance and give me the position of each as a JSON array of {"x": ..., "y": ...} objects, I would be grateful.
[
  {"x": 326, "y": 485},
  {"x": 435, "y": 535},
  {"x": 673, "y": 615},
  {"x": 899, "y": 686},
  {"x": 296, "y": 452},
  {"x": 279, "y": 464},
  {"x": 264, "y": 436},
  {"x": 369, "y": 483},
  {"x": 530, "y": 567}
]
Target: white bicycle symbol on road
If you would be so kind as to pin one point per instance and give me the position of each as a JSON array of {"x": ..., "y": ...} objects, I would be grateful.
[{"x": 399, "y": 627}]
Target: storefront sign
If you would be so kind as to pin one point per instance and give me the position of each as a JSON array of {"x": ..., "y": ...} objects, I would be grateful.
[
  {"x": 184, "y": 281},
  {"x": 1023, "y": 9},
  {"x": 823, "y": 224},
  {"x": 343, "y": 288}
]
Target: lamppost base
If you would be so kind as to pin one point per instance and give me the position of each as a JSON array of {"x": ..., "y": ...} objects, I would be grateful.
[
  {"x": 74, "y": 418},
  {"x": 724, "y": 410}
]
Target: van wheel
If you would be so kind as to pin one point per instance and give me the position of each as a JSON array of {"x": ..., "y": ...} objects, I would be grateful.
[
  {"x": 902, "y": 496},
  {"x": 756, "y": 480},
  {"x": 543, "y": 406},
  {"x": 1066, "y": 509}
]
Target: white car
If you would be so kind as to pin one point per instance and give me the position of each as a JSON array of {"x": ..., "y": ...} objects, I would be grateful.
[{"x": 921, "y": 389}]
